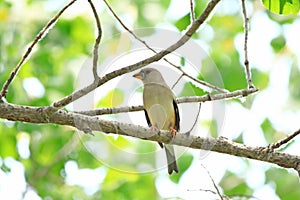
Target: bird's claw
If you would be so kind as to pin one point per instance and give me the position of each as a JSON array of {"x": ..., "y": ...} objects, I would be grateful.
[
  {"x": 154, "y": 129},
  {"x": 173, "y": 132}
]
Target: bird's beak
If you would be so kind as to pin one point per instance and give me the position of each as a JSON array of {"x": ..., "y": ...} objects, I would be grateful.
[{"x": 138, "y": 75}]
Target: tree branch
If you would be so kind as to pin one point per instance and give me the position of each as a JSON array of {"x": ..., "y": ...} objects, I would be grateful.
[
  {"x": 192, "y": 11},
  {"x": 39, "y": 36},
  {"x": 212, "y": 180},
  {"x": 76, "y": 95},
  {"x": 148, "y": 47},
  {"x": 97, "y": 41},
  {"x": 192, "y": 99},
  {"x": 83, "y": 122},
  {"x": 246, "y": 62},
  {"x": 279, "y": 143}
]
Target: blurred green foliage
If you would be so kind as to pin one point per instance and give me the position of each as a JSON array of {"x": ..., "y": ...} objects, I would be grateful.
[
  {"x": 234, "y": 185},
  {"x": 284, "y": 7},
  {"x": 285, "y": 183},
  {"x": 61, "y": 53}
]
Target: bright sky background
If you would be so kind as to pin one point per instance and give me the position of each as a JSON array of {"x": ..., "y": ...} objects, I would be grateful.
[{"x": 267, "y": 104}]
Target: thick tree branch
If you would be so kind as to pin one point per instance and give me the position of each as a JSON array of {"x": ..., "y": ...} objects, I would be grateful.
[
  {"x": 193, "y": 28},
  {"x": 83, "y": 122}
]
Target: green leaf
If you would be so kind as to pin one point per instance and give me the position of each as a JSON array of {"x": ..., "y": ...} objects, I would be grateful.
[
  {"x": 294, "y": 83},
  {"x": 190, "y": 89},
  {"x": 183, "y": 22},
  {"x": 182, "y": 61},
  {"x": 287, "y": 184},
  {"x": 278, "y": 43},
  {"x": 271, "y": 135},
  {"x": 8, "y": 141},
  {"x": 5, "y": 168},
  {"x": 199, "y": 6},
  {"x": 268, "y": 130},
  {"x": 239, "y": 139},
  {"x": 165, "y": 3},
  {"x": 260, "y": 79},
  {"x": 285, "y": 7},
  {"x": 120, "y": 185},
  {"x": 184, "y": 162},
  {"x": 234, "y": 185},
  {"x": 228, "y": 66},
  {"x": 213, "y": 129}
]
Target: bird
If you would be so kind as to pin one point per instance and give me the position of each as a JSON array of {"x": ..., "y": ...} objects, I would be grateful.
[{"x": 161, "y": 110}]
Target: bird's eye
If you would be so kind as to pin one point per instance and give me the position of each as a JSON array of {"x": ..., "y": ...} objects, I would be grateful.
[
  {"x": 146, "y": 72},
  {"x": 143, "y": 74}
]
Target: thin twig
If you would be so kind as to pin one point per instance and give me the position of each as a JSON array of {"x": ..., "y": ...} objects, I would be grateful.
[
  {"x": 97, "y": 41},
  {"x": 39, "y": 36},
  {"x": 279, "y": 143},
  {"x": 195, "y": 122},
  {"x": 225, "y": 196},
  {"x": 200, "y": 20},
  {"x": 166, "y": 60},
  {"x": 205, "y": 83},
  {"x": 126, "y": 28},
  {"x": 106, "y": 111},
  {"x": 246, "y": 62},
  {"x": 213, "y": 97},
  {"x": 206, "y": 190},
  {"x": 212, "y": 180},
  {"x": 192, "y": 11},
  {"x": 208, "y": 97},
  {"x": 178, "y": 79},
  {"x": 213, "y": 87}
]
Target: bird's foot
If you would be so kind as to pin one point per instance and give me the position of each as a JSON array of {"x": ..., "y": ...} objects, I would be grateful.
[
  {"x": 173, "y": 132},
  {"x": 154, "y": 129}
]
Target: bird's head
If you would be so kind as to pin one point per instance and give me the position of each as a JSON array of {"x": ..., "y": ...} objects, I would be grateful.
[{"x": 149, "y": 75}]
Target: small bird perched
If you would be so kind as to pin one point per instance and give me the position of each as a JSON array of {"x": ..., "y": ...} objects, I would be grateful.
[{"x": 160, "y": 109}]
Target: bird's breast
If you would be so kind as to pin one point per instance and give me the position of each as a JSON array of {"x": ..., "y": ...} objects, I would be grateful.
[{"x": 158, "y": 102}]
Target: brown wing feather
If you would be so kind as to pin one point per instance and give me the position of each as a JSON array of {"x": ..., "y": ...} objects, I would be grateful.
[
  {"x": 177, "y": 118},
  {"x": 147, "y": 118}
]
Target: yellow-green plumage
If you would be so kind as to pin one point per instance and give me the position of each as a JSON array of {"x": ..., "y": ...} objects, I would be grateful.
[{"x": 160, "y": 108}]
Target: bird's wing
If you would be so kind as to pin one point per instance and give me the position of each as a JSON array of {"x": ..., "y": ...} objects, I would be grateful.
[
  {"x": 147, "y": 118},
  {"x": 177, "y": 118}
]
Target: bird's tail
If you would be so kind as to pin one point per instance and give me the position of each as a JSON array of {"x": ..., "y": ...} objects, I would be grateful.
[{"x": 171, "y": 159}]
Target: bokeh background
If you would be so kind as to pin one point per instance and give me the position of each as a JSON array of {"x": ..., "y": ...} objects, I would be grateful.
[{"x": 53, "y": 162}]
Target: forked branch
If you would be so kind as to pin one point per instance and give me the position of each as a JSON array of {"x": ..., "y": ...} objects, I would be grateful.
[{"x": 193, "y": 28}]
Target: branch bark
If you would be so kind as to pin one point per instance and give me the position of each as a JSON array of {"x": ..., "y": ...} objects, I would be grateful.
[
  {"x": 246, "y": 62},
  {"x": 97, "y": 41},
  {"x": 85, "y": 123}
]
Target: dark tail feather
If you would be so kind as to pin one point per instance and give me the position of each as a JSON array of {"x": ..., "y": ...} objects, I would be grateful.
[{"x": 171, "y": 159}]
